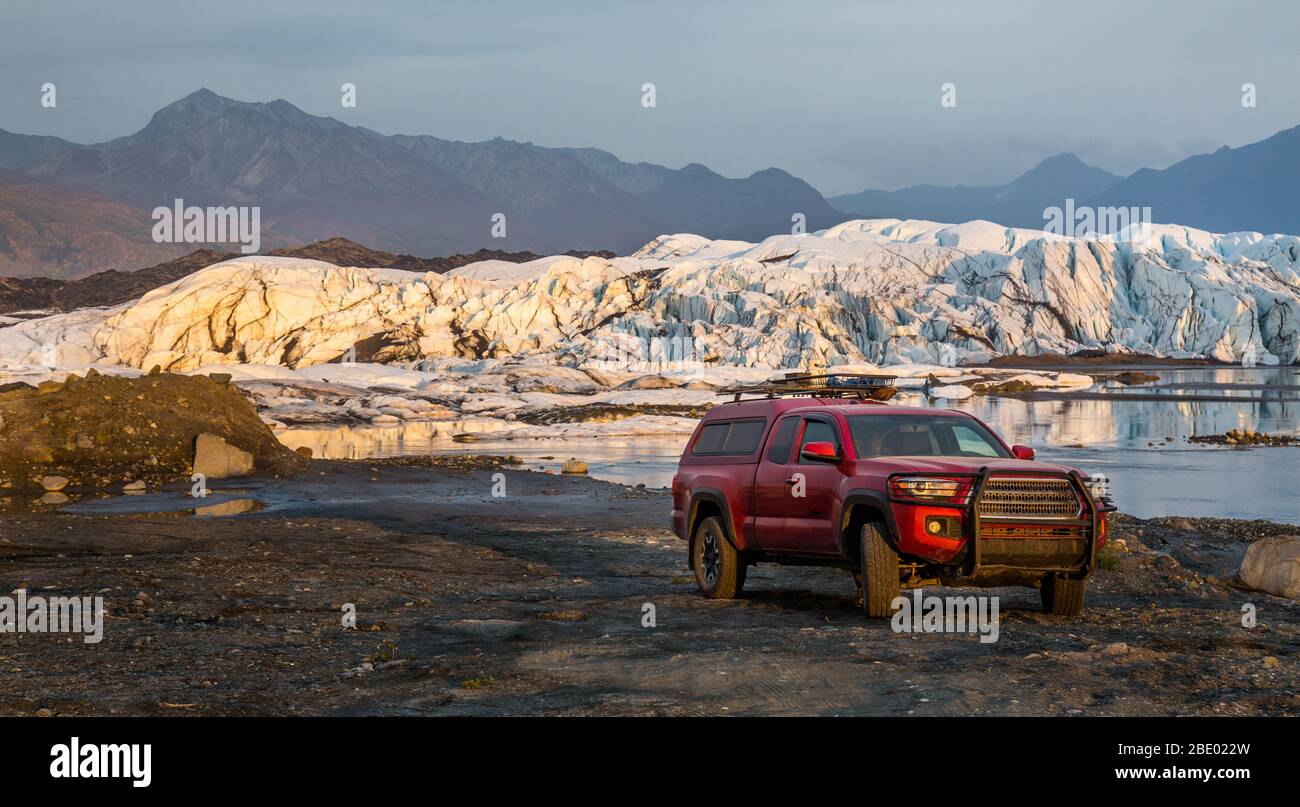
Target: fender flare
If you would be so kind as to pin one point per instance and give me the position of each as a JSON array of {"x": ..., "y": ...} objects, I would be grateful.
[
  {"x": 715, "y": 497},
  {"x": 872, "y": 498}
]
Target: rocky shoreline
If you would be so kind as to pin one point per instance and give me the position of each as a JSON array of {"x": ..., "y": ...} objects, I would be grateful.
[{"x": 1245, "y": 438}]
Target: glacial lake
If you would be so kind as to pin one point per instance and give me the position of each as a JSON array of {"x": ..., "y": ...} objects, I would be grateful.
[{"x": 1132, "y": 434}]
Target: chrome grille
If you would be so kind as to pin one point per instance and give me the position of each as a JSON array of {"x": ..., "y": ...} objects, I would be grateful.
[{"x": 1030, "y": 499}]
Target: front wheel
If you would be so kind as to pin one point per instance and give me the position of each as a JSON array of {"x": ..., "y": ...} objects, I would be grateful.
[
  {"x": 719, "y": 568},
  {"x": 1063, "y": 596},
  {"x": 878, "y": 566}
]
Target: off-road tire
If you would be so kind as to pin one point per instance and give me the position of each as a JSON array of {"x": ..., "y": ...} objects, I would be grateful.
[
  {"x": 719, "y": 568},
  {"x": 1063, "y": 596},
  {"x": 879, "y": 564}
]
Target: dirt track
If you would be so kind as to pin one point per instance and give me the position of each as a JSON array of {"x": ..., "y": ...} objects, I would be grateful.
[{"x": 532, "y": 604}]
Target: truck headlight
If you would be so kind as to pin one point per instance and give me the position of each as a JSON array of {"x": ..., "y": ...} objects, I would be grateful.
[{"x": 935, "y": 488}]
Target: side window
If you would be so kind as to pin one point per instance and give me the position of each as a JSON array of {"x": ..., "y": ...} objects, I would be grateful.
[
  {"x": 970, "y": 443},
  {"x": 744, "y": 437},
  {"x": 711, "y": 438},
  {"x": 730, "y": 437},
  {"x": 780, "y": 451},
  {"x": 818, "y": 431}
]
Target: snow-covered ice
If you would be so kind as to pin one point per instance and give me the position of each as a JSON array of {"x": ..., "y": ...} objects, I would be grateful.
[
  {"x": 682, "y": 316},
  {"x": 878, "y": 291}
]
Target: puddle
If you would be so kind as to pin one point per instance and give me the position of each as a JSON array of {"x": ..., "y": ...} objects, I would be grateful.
[
  {"x": 233, "y": 507},
  {"x": 177, "y": 504}
]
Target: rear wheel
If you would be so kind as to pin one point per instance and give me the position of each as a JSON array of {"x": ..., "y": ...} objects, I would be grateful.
[
  {"x": 1063, "y": 596},
  {"x": 879, "y": 570},
  {"x": 719, "y": 568}
]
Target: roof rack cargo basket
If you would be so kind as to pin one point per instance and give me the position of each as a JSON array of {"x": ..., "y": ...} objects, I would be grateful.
[{"x": 862, "y": 386}]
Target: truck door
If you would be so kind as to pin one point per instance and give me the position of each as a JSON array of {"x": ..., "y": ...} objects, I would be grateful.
[
  {"x": 771, "y": 492},
  {"x": 808, "y": 527}
]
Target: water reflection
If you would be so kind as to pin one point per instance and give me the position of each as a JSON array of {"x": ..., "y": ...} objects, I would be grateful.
[
  {"x": 416, "y": 437},
  {"x": 1140, "y": 442}
]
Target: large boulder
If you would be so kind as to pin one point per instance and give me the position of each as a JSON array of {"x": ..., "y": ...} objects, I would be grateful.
[
  {"x": 1273, "y": 564},
  {"x": 214, "y": 458}
]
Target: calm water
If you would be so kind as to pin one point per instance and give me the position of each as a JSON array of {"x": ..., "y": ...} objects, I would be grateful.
[{"x": 1139, "y": 444}]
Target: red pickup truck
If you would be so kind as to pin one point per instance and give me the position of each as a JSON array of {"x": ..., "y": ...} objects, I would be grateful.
[{"x": 899, "y": 496}]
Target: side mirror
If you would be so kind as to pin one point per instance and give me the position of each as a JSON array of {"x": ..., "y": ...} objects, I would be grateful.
[
  {"x": 1022, "y": 452},
  {"x": 820, "y": 452}
]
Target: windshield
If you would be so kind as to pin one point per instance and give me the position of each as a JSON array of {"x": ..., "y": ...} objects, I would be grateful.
[{"x": 922, "y": 436}]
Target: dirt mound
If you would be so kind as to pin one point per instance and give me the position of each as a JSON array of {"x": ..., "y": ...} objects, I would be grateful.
[{"x": 101, "y": 430}]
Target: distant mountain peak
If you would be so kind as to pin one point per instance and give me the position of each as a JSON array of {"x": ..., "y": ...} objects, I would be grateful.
[
  {"x": 200, "y": 99},
  {"x": 192, "y": 111},
  {"x": 1065, "y": 164},
  {"x": 203, "y": 106},
  {"x": 1064, "y": 159}
]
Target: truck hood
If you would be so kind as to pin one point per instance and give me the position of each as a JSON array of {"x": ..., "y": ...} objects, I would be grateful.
[{"x": 958, "y": 465}]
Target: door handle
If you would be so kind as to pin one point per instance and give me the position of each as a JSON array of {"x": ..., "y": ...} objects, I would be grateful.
[{"x": 792, "y": 481}]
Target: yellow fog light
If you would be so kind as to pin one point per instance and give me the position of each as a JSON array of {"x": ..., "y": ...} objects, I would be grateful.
[{"x": 943, "y": 526}]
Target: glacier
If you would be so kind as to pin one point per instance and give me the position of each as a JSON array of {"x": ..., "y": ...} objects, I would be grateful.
[{"x": 877, "y": 291}]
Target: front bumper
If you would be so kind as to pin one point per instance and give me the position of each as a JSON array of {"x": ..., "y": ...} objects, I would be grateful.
[{"x": 989, "y": 545}]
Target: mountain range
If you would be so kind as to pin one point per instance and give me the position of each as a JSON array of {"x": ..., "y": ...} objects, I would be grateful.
[
  {"x": 316, "y": 177},
  {"x": 1018, "y": 203},
  {"x": 1250, "y": 188},
  {"x": 69, "y": 210}
]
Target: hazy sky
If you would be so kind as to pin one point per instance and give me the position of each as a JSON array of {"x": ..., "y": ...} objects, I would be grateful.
[{"x": 844, "y": 94}]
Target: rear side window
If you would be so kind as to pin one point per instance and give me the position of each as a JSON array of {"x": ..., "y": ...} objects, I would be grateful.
[
  {"x": 730, "y": 437},
  {"x": 711, "y": 439},
  {"x": 780, "y": 452}
]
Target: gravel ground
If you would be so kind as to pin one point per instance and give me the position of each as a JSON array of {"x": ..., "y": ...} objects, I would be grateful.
[{"x": 536, "y": 603}]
